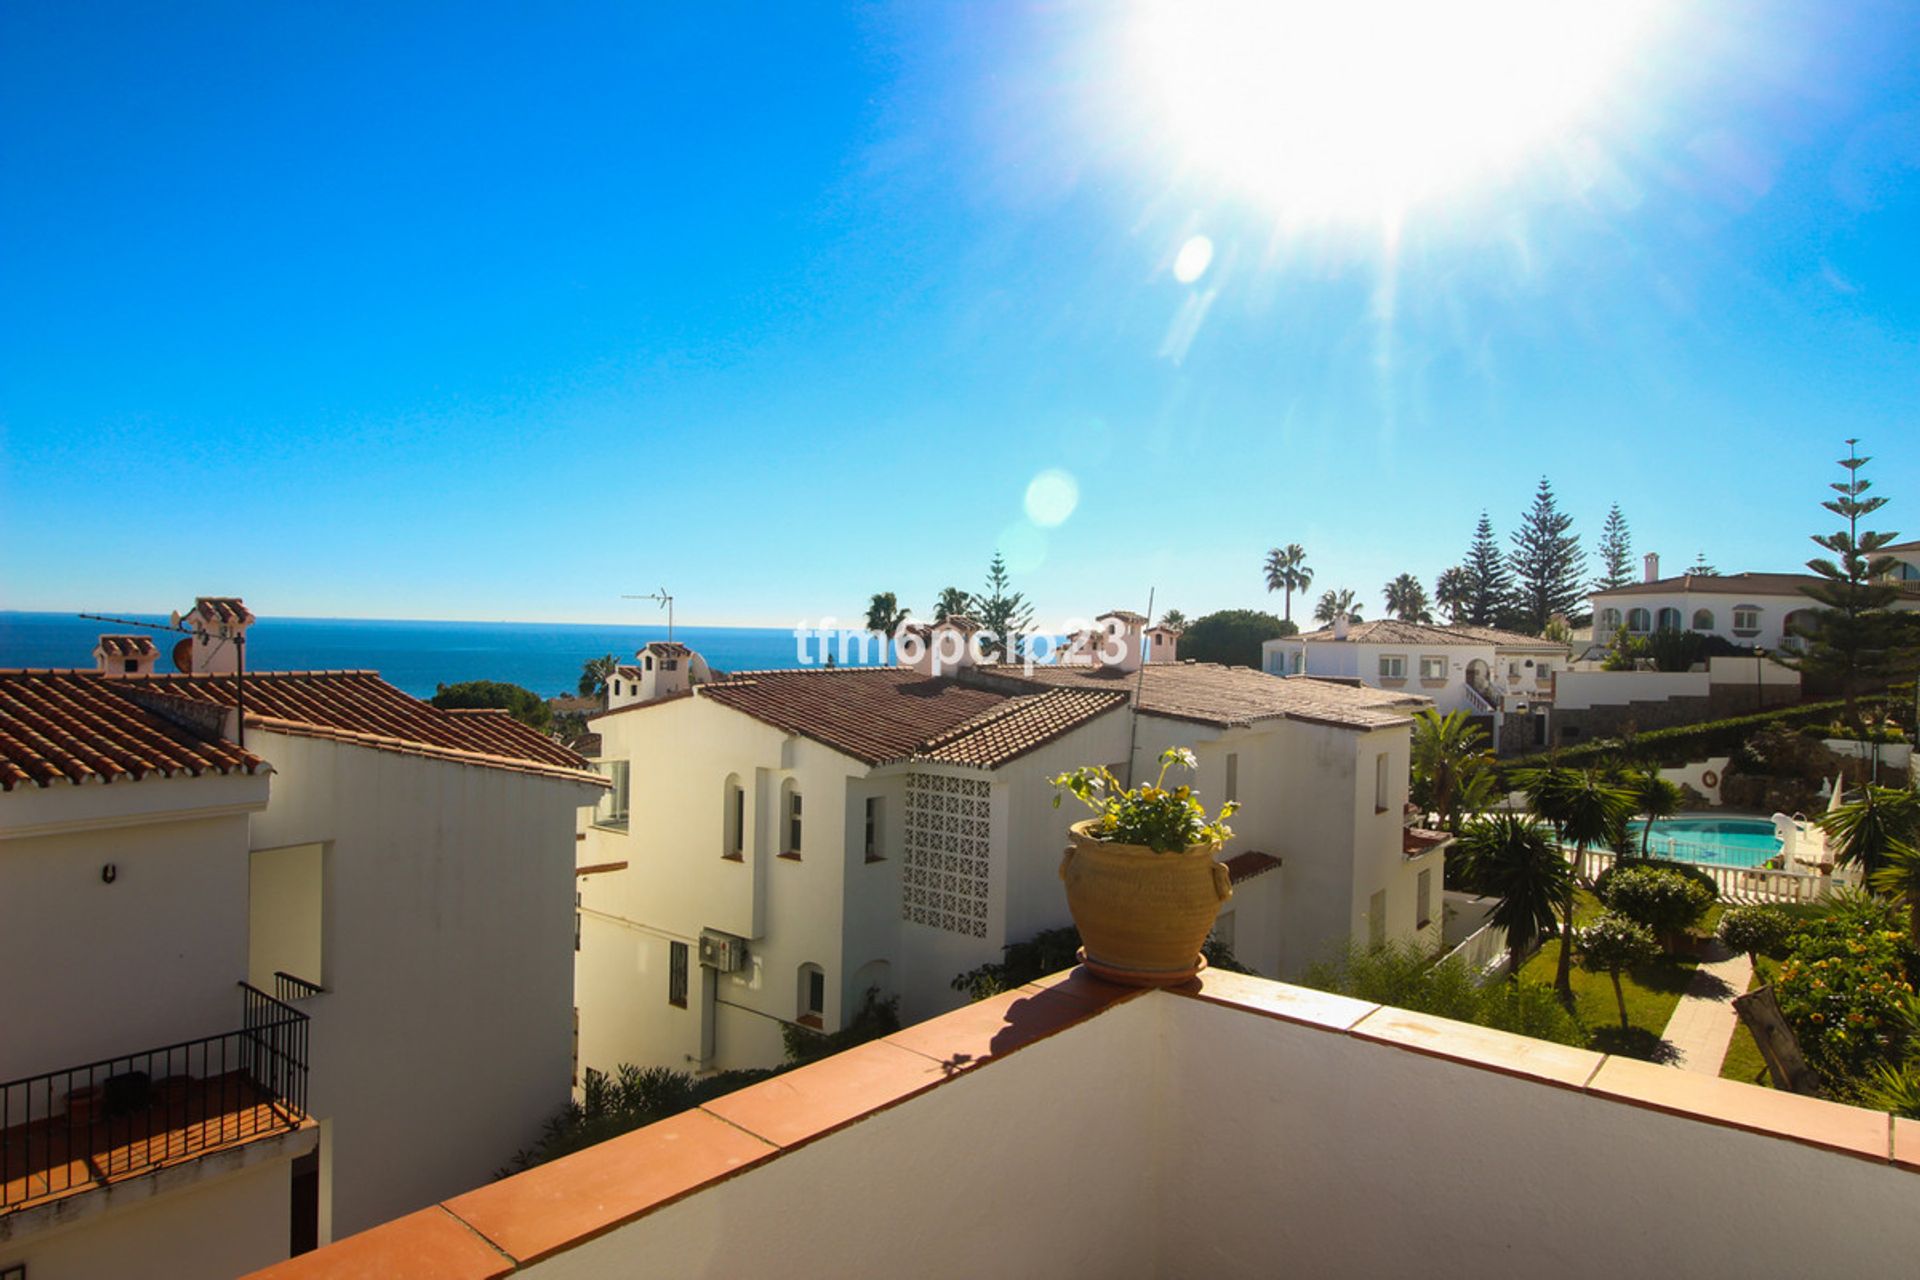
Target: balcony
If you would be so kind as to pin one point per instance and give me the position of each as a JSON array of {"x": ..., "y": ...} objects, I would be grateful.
[
  {"x": 80, "y": 1128},
  {"x": 1233, "y": 1127}
]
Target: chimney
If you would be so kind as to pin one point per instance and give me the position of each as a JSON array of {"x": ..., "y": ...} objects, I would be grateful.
[
  {"x": 1652, "y": 562},
  {"x": 1339, "y": 626},
  {"x": 1163, "y": 644},
  {"x": 1119, "y": 640},
  {"x": 125, "y": 655},
  {"x": 665, "y": 667},
  {"x": 217, "y": 628},
  {"x": 942, "y": 648}
]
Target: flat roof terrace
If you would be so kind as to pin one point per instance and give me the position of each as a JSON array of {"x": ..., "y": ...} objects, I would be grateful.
[{"x": 1233, "y": 1127}]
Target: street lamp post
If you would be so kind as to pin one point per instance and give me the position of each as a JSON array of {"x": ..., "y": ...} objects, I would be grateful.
[{"x": 1759, "y": 698}]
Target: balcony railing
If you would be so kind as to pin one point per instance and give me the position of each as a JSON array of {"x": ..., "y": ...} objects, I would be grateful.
[
  {"x": 288, "y": 989},
  {"x": 71, "y": 1130}
]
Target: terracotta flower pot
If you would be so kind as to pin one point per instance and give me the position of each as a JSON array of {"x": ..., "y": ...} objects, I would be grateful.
[{"x": 1143, "y": 916}]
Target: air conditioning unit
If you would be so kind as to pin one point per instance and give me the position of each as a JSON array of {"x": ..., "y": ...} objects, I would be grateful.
[{"x": 722, "y": 951}]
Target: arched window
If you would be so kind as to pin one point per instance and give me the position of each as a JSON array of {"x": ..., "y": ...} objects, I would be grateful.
[
  {"x": 616, "y": 688},
  {"x": 1669, "y": 619},
  {"x": 1609, "y": 621},
  {"x": 810, "y": 996},
  {"x": 1703, "y": 619},
  {"x": 1639, "y": 620},
  {"x": 733, "y": 819},
  {"x": 649, "y": 662},
  {"x": 789, "y": 820}
]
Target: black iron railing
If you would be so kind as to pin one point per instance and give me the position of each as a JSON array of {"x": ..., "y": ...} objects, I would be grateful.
[
  {"x": 287, "y": 988},
  {"x": 82, "y": 1126}
]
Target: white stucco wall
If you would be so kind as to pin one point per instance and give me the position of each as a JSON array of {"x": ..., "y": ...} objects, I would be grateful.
[
  {"x": 1770, "y": 633},
  {"x": 221, "y": 1216},
  {"x": 443, "y": 1041},
  {"x": 103, "y": 969},
  {"x": 1520, "y": 674}
]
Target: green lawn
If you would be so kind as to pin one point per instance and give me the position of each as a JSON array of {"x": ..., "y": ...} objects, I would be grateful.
[
  {"x": 1651, "y": 993},
  {"x": 1743, "y": 1061}
]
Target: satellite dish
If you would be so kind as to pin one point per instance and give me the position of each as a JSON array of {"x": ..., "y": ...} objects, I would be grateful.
[{"x": 183, "y": 655}]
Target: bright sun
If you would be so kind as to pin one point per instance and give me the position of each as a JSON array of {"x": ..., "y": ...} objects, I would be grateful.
[{"x": 1361, "y": 109}]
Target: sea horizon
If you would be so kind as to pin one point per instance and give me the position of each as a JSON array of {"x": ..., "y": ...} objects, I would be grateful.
[{"x": 416, "y": 655}]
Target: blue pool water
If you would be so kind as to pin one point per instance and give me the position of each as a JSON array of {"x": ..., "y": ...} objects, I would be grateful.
[{"x": 1731, "y": 842}]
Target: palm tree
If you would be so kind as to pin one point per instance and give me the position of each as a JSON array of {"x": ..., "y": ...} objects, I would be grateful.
[
  {"x": 1655, "y": 798},
  {"x": 1867, "y": 830},
  {"x": 952, "y": 600},
  {"x": 1587, "y": 808},
  {"x": 1174, "y": 620},
  {"x": 1899, "y": 877},
  {"x": 1407, "y": 599},
  {"x": 1448, "y": 752},
  {"x": 595, "y": 673},
  {"x": 1334, "y": 603},
  {"x": 1453, "y": 591},
  {"x": 885, "y": 614},
  {"x": 1287, "y": 571},
  {"x": 1509, "y": 857}
]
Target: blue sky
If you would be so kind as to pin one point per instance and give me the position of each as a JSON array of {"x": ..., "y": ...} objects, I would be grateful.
[{"x": 472, "y": 312}]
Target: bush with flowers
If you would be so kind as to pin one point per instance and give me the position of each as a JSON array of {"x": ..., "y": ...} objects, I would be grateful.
[{"x": 1842, "y": 989}]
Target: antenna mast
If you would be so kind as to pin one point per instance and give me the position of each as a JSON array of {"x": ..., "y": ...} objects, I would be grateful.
[
  {"x": 666, "y": 602},
  {"x": 240, "y": 663}
]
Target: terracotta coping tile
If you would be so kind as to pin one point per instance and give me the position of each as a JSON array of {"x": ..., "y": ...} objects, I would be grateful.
[
  {"x": 797, "y": 1106},
  {"x": 997, "y": 1026},
  {"x": 1295, "y": 1004},
  {"x": 556, "y": 1205},
  {"x": 1832, "y": 1125},
  {"x": 1906, "y": 1143},
  {"x": 1483, "y": 1047},
  {"x": 1081, "y": 985},
  {"x": 429, "y": 1245}
]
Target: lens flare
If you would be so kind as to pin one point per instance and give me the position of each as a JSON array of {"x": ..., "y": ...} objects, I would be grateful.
[{"x": 1051, "y": 497}]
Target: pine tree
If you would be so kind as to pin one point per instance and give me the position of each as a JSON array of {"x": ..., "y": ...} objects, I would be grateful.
[
  {"x": 1489, "y": 586},
  {"x": 1701, "y": 569},
  {"x": 1852, "y": 634},
  {"x": 1615, "y": 552},
  {"x": 1004, "y": 615},
  {"x": 1547, "y": 562}
]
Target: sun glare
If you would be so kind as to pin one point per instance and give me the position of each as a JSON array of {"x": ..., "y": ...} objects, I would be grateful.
[{"x": 1363, "y": 109}]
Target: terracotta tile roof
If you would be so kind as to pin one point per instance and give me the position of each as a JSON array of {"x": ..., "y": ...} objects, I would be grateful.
[
  {"x": 1245, "y": 866},
  {"x": 1123, "y": 615},
  {"x": 128, "y": 647},
  {"x": 1899, "y": 548},
  {"x": 881, "y": 715},
  {"x": 1726, "y": 584},
  {"x": 1018, "y": 726},
  {"x": 360, "y": 707},
  {"x": 1415, "y": 841},
  {"x": 628, "y": 672},
  {"x": 1207, "y": 693},
  {"x": 222, "y": 609},
  {"x": 73, "y": 726},
  {"x": 1428, "y": 635},
  {"x": 668, "y": 648}
]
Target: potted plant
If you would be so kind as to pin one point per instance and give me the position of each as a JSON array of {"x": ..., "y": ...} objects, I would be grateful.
[{"x": 1142, "y": 880}]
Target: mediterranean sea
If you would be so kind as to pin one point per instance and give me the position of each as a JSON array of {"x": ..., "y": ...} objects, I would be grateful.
[{"x": 417, "y": 656}]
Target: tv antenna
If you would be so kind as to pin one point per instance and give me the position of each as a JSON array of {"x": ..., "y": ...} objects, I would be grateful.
[
  {"x": 666, "y": 602},
  {"x": 239, "y": 654}
]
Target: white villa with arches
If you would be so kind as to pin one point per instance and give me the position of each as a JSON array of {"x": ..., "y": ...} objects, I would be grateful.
[{"x": 779, "y": 843}]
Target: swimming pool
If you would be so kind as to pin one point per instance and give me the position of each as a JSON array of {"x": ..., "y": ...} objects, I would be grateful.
[{"x": 1731, "y": 842}]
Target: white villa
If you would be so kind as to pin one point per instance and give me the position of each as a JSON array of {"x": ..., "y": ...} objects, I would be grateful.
[
  {"x": 778, "y": 844},
  {"x": 272, "y": 978},
  {"x": 1502, "y": 676},
  {"x": 1747, "y": 609}
]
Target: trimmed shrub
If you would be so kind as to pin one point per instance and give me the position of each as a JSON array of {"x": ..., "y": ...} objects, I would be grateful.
[
  {"x": 1756, "y": 930},
  {"x": 1662, "y": 897},
  {"x": 1612, "y": 944},
  {"x": 1687, "y": 869}
]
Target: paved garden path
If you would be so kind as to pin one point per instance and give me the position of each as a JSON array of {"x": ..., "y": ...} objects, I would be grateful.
[{"x": 1702, "y": 1024}]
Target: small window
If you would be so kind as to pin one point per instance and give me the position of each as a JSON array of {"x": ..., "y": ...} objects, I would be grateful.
[
  {"x": 1639, "y": 621},
  {"x": 1380, "y": 783},
  {"x": 1513, "y": 671},
  {"x": 1703, "y": 619},
  {"x": 1423, "y": 898},
  {"x": 669, "y": 664},
  {"x": 1233, "y": 775},
  {"x": 1609, "y": 621},
  {"x": 677, "y": 974},
  {"x": 649, "y": 662},
  {"x": 812, "y": 996},
  {"x": 130, "y": 665},
  {"x": 874, "y": 818},
  {"x": 1393, "y": 666},
  {"x": 616, "y": 688},
  {"x": 576, "y": 919},
  {"x": 734, "y": 843},
  {"x": 793, "y": 823},
  {"x": 1432, "y": 668},
  {"x": 612, "y": 808},
  {"x": 1746, "y": 619}
]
